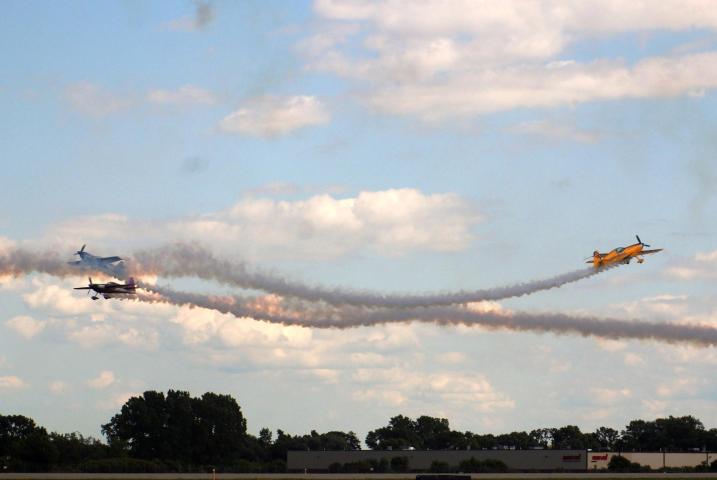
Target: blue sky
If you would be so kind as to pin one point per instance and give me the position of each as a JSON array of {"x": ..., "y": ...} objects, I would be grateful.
[{"x": 386, "y": 146}]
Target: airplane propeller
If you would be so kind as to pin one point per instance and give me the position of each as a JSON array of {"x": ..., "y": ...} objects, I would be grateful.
[
  {"x": 81, "y": 250},
  {"x": 640, "y": 242}
]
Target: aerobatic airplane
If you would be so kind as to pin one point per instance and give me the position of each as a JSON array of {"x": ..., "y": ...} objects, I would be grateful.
[
  {"x": 622, "y": 254},
  {"x": 89, "y": 260},
  {"x": 109, "y": 265},
  {"x": 110, "y": 289}
]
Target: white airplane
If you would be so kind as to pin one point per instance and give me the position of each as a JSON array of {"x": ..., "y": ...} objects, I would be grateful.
[{"x": 108, "y": 264}]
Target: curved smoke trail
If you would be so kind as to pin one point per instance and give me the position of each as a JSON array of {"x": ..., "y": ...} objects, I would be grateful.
[
  {"x": 189, "y": 260},
  {"x": 185, "y": 260},
  {"x": 351, "y": 317}
]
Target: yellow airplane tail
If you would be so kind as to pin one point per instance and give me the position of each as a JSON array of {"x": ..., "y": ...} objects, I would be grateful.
[{"x": 597, "y": 259}]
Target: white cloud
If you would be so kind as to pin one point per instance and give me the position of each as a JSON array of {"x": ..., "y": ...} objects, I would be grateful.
[
  {"x": 610, "y": 345},
  {"x": 98, "y": 335},
  {"x": 548, "y": 86},
  {"x": 103, "y": 380},
  {"x": 665, "y": 305},
  {"x": 398, "y": 386},
  {"x": 11, "y": 382},
  {"x": 610, "y": 395},
  {"x": 634, "y": 360},
  {"x": 451, "y": 358},
  {"x": 389, "y": 222},
  {"x": 25, "y": 325},
  {"x": 438, "y": 59},
  {"x": 182, "y": 96},
  {"x": 274, "y": 116},
  {"x": 58, "y": 387},
  {"x": 680, "y": 386},
  {"x": 116, "y": 401},
  {"x": 557, "y": 132},
  {"x": 89, "y": 99},
  {"x": 702, "y": 266}
]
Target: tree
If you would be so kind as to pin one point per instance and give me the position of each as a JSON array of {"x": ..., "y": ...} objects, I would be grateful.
[
  {"x": 641, "y": 435},
  {"x": 210, "y": 430},
  {"x": 219, "y": 427},
  {"x": 24, "y": 445},
  {"x": 568, "y": 437},
  {"x": 433, "y": 433},
  {"x": 542, "y": 437},
  {"x": 73, "y": 448},
  {"x": 681, "y": 433},
  {"x": 141, "y": 426},
  {"x": 265, "y": 437},
  {"x": 399, "y": 434},
  {"x": 606, "y": 438}
]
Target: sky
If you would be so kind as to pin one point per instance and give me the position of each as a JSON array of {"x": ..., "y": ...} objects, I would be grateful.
[{"x": 390, "y": 146}]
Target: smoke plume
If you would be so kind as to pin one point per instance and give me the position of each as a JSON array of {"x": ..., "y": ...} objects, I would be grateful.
[
  {"x": 351, "y": 317},
  {"x": 185, "y": 260}
]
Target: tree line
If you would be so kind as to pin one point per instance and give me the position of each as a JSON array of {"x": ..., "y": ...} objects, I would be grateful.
[{"x": 176, "y": 432}]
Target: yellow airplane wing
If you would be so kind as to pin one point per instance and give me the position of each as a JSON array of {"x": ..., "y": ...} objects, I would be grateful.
[{"x": 645, "y": 252}]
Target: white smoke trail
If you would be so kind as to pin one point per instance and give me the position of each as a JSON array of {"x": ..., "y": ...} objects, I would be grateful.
[
  {"x": 185, "y": 260},
  {"x": 19, "y": 261},
  {"x": 351, "y": 317}
]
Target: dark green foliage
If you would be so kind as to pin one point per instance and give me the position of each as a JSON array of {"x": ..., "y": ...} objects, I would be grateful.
[
  {"x": 175, "y": 432},
  {"x": 209, "y": 430},
  {"x": 439, "y": 467},
  {"x": 670, "y": 434},
  {"x": 313, "y": 441},
  {"x": 622, "y": 464},
  {"x": 121, "y": 465},
  {"x": 399, "y": 464},
  {"x": 485, "y": 466}
]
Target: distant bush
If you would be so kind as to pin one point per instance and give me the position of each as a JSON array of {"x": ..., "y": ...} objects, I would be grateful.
[
  {"x": 621, "y": 464},
  {"x": 399, "y": 464},
  {"x": 486, "y": 466},
  {"x": 439, "y": 467},
  {"x": 121, "y": 465}
]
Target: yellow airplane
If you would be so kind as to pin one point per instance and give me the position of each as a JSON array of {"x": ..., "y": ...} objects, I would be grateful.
[{"x": 622, "y": 254}]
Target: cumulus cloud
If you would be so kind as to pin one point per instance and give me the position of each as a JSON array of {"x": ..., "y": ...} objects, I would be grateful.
[
  {"x": 185, "y": 95},
  {"x": 98, "y": 335},
  {"x": 610, "y": 395},
  {"x": 103, "y": 380},
  {"x": 457, "y": 389},
  {"x": 702, "y": 266},
  {"x": 11, "y": 382},
  {"x": 634, "y": 360},
  {"x": 389, "y": 222},
  {"x": 58, "y": 387},
  {"x": 548, "y": 86},
  {"x": 25, "y": 325},
  {"x": 438, "y": 59},
  {"x": 556, "y": 131},
  {"x": 90, "y": 99},
  {"x": 116, "y": 401},
  {"x": 270, "y": 116}
]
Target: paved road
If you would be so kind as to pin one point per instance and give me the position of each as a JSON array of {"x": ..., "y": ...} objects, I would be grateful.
[{"x": 333, "y": 476}]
